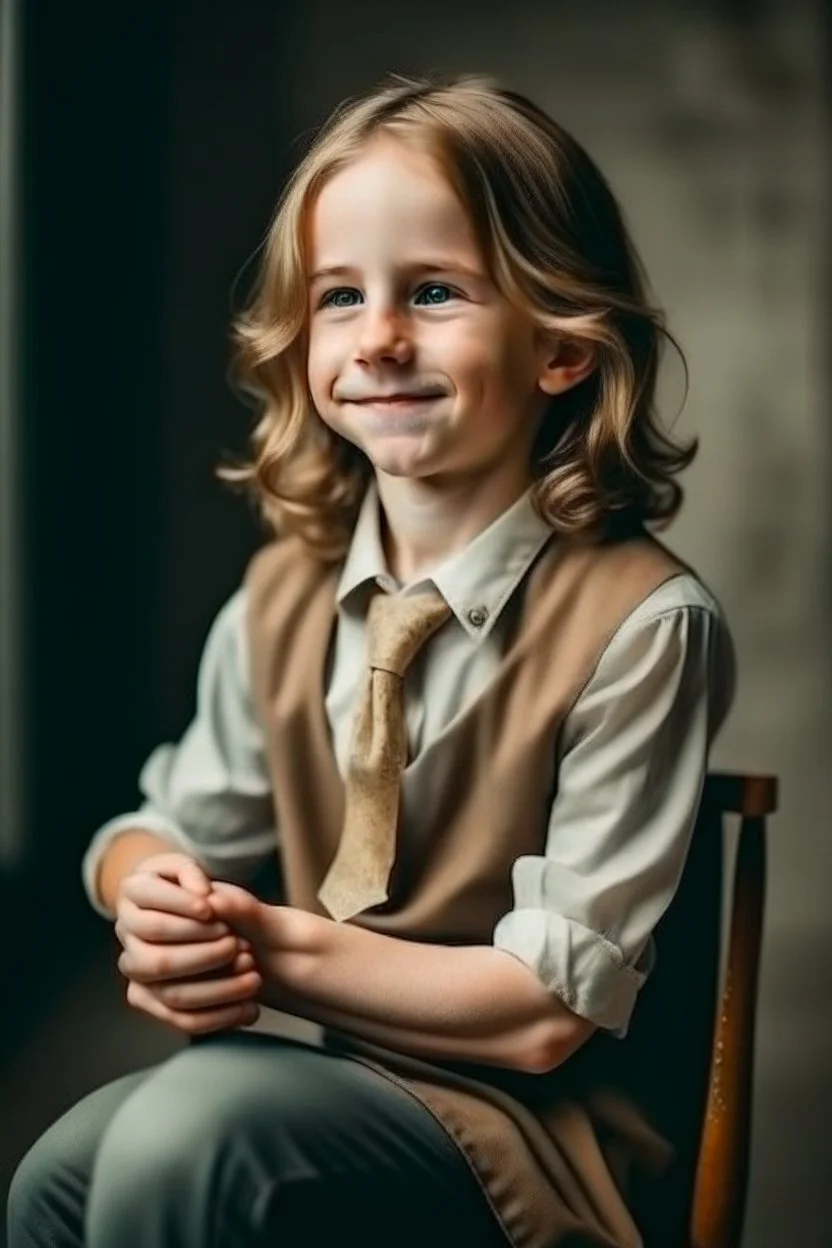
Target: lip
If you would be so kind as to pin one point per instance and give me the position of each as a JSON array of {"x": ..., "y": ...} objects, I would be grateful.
[{"x": 396, "y": 400}]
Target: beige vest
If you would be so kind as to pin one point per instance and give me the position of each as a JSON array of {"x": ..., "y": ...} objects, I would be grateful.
[{"x": 550, "y": 1158}]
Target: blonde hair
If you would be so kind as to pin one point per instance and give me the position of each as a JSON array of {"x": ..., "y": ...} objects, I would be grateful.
[{"x": 555, "y": 244}]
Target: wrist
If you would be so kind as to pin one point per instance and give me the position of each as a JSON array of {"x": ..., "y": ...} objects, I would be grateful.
[
  {"x": 305, "y": 934},
  {"x": 124, "y": 853},
  {"x": 300, "y": 941}
]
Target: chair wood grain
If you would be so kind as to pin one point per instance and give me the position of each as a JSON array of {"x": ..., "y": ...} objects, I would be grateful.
[{"x": 721, "y": 1182}]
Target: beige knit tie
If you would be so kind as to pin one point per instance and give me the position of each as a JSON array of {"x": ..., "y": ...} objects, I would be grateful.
[{"x": 397, "y": 627}]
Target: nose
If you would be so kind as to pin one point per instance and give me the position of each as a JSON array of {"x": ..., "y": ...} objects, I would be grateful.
[{"x": 383, "y": 336}]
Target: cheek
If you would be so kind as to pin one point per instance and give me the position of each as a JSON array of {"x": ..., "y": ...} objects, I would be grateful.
[
  {"x": 464, "y": 352},
  {"x": 320, "y": 360},
  {"x": 513, "y": 365},
  {"x": 479, "y": 350},
  {"x": 484, "y": 371}
]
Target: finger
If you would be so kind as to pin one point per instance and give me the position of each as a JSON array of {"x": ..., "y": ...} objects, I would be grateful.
[
  {"x": 194, "y": 879},
  {"x": 181, "y": 869},
  {"x": 242, "y": 963},
  {"x": 150, "y": 891},
  {"x": 158, "y": 927},
  {"x": 203, "y": 994},
  {"x": 151, "y": 964},
  {"x": 196, "y": 1022},
  {"x": 136, "y": 954}
]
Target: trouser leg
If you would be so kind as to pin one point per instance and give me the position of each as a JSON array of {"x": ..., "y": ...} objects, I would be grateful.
[
  {"x": 48, "y": 1192},
  {"x": 248, "y": 1140}
]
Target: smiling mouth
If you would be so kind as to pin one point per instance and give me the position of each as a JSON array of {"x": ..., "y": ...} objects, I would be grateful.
[{"x": 399, "y": 400}]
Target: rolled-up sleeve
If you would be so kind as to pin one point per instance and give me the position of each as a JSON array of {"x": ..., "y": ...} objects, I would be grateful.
[
  {"x": 210, "y": 793},
  {"x": 633, "y": 758}
]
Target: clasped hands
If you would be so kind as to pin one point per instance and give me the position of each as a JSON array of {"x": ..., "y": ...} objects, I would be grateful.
[{"x": 196, "y": 950}]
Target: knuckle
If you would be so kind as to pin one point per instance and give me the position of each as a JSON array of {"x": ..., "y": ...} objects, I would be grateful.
[
  {"x": 173, "y": 997},
  {"x": 163, "y": 963}
]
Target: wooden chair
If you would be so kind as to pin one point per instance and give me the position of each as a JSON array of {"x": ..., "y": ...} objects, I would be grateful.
[
  {"x": 688, "y": 1061},
  {"x": 722, "y": 1170}
]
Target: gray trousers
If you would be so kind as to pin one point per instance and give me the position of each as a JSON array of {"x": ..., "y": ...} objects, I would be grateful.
[{"x": 243, "y": 1139}]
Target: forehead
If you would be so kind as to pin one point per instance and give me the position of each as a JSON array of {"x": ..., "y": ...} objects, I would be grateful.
[{"x": 388, "y": 198}]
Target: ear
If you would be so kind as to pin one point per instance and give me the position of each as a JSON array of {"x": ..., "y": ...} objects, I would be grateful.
[{"x": 564, "y": 363}]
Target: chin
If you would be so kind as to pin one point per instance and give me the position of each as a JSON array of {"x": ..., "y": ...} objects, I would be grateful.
[
  {"x": 400, "y": 461},
  {"x": 394, "y": 467}
]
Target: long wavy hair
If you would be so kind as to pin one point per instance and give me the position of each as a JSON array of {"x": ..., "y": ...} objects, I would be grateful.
[{"x": 555, "y": 244}]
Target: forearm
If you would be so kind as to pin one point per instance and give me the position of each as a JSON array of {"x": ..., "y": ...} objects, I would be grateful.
[
  {"x": 124, "y": 853},
  {"x": 422, "y": 1044},
  {"x": 471, "y": 1003}
]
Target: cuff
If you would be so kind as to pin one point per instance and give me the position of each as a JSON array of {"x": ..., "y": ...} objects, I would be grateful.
[{"x": 578, "y": 965}]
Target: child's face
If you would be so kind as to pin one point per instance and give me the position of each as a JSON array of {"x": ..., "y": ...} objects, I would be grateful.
[{"x": 412, "y": 313}]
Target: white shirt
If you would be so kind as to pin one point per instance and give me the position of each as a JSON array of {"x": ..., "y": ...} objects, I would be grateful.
[{"x": 632, "y": 756}]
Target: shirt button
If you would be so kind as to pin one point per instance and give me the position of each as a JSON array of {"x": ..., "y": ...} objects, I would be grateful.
[{"x": 477, "y": 616}]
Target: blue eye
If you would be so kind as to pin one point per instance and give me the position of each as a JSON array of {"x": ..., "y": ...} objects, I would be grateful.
[
  {"x": 433, "y": 286},
  {"x": 334, "y": 298},
  {"x": 328, "y": 300}
]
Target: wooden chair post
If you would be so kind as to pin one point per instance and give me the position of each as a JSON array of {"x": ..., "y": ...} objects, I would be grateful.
[{"x": 722, "y": 1171}]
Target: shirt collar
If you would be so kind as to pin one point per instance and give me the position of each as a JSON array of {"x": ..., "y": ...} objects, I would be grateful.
[{"x": 476, "y": 582}]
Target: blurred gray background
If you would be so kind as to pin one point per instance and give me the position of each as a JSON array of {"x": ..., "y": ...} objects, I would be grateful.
[{"x": 142, "y": 152}]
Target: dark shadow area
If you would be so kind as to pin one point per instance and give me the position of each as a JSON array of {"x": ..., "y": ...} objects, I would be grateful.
[{"x": 152, "y": 156}]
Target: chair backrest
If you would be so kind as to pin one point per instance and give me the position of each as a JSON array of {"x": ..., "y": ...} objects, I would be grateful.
[
  {"x": 670, "y": 1042},
  {"x": 721, "y": 1180},
  {"x": 687, "y": 1063}
]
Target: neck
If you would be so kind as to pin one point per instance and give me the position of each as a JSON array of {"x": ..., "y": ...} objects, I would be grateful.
[{"x": 422, "y": 524}]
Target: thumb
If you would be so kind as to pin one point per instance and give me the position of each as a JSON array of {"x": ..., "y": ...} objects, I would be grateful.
[{"x": 238, "y": 908}]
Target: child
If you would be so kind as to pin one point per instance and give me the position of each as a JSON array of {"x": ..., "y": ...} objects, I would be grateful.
[{"x": 466, "y": 693}]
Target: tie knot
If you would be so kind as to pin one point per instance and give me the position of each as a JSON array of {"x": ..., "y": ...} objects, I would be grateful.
[{"x": 398, "y": 626}]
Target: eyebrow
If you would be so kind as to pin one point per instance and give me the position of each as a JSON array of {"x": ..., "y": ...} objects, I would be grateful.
[{"x": 426, "y": 266}]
